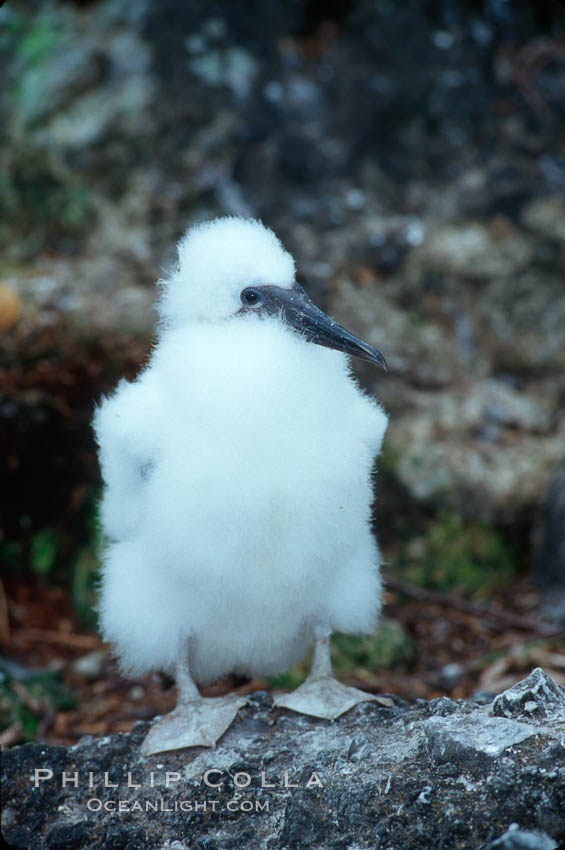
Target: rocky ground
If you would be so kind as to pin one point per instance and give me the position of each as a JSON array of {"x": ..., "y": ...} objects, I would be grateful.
[{"x": 489, "y": 773}]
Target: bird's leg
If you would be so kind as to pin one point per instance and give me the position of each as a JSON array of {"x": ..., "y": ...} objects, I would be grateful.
[
  {"x": 196, "y": 721},
  {"x": 321, "y": 695}
]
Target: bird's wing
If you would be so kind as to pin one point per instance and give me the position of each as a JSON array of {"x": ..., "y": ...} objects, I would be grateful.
[
  {"x": 370, "y": 422},
  {"x": 126, "y": 428}
]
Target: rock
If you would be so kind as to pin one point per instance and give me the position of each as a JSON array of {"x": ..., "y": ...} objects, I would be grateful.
[
  {"x": 536, "y": 696},
  {"x": 472, "y": 249},
  {"x": 546, "y": 217},
  {"x": 439, "y": 774},
  {"x": 91, "y": 665},
  {"x": 523, "y": 839},
  {"x": 451, "y": 674},
  {"x": 462, "y": 738}
]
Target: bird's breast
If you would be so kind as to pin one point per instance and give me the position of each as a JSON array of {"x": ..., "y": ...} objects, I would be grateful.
[{"x": 265, "y": 467}]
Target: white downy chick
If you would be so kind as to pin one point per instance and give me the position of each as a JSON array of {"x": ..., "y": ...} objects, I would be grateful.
[{"x": 237, "y": 498}]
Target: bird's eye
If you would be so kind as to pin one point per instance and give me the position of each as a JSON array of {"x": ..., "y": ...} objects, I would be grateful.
[{"x": 252, "y": 297}]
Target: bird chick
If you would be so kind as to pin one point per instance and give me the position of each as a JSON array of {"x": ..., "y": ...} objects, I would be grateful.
[{"x": 237, "y": 471}]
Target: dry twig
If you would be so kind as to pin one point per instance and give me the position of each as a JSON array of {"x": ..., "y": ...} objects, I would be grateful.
[{"x": 499, "y": 617}]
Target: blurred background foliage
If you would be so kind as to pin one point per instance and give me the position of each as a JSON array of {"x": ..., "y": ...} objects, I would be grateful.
[
  {"x": 470, "y": 558},
  {"x": 410, "y": 155}
]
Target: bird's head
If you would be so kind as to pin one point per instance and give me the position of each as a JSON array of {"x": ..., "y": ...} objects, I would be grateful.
[{"x": 236, "y": 267}]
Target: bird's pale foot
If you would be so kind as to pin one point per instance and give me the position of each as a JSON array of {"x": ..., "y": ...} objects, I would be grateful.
[
  {"x": 322, "y": 696},
  {"x": 197, "y": 723}
]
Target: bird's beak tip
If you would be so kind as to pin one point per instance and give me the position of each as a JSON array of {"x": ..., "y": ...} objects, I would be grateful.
[{"x": 371, "y": 354}]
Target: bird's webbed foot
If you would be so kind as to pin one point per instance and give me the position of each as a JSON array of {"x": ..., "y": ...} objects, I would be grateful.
[
  {"x": 321, "y": 695},
  {"x": 195, "y": 723}
]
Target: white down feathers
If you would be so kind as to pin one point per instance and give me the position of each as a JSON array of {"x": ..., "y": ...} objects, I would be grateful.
[{"x": 237, "y": 473}]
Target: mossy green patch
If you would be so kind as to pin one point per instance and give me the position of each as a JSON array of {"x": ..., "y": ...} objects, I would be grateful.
[
  {"x": 11, "y": 555},
  {"x": 32, "y": 39},
  {"x": 293, "y": 678},
  {"x": 45, "y": 204},
  {"x": 68, "y": 554},
  {"x": 43, "y": 551},
  {"x": 84, "y": 586},
  {"x": 41, "y": 200},
  {"x": 390, "y": 646},
  {"x": 85, "y": 566},
  {"x": 27, "y": 696},
  {"x": 388, "y": 460},
  {"x": 458, "y": 555}
]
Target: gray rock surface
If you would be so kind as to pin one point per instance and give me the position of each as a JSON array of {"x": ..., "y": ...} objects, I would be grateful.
[
  {"x": 536, "y": 696},
  {"x": 437, "y": 774},
  {"x": 523, "y": 839}
]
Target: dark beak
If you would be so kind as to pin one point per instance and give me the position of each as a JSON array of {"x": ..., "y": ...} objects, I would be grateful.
[{"x": 302, "y": 314}]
